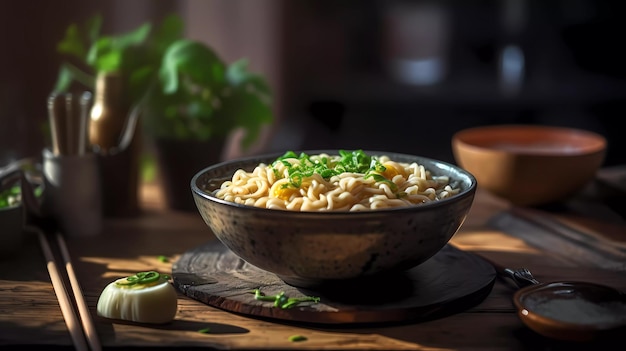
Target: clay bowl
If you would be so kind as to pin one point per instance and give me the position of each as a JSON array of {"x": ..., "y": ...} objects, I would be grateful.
[
  {"x": 316, "y": 249},
  {"x": 530, "y": 165},
  {"x": 572, "y": 311}
]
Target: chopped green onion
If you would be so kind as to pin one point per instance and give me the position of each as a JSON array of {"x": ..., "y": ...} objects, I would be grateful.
[
  {"x": 205, "y": 330},
  {"x": 163, "y": 259},
  {"x": 379, "y": 178},
  {"x": 297, "y": 338},
  {"x": 258, "y": 295},
  {"x": 283, "y": 301},
  {"x": 350, "y": 161},
  {"x": 142, "y": 278}
]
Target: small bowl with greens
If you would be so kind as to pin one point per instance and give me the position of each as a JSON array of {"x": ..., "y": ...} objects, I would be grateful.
[
  {"x": 13, "y": 212},
  {"x": 319, "y": 217},
  {"x": 11, "y": 220}
]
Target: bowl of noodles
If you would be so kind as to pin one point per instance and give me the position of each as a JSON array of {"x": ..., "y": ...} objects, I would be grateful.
[{"x": 321, "y": 216}]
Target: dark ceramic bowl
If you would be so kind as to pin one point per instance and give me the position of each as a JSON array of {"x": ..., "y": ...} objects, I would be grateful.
[{"x": 310, "y": 249}]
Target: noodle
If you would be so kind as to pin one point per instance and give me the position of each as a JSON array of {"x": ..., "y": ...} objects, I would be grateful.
[{"x": 289, "y": 183}]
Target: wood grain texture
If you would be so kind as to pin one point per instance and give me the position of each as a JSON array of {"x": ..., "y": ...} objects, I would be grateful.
[
  {"x": 449, "y": 282},
  {"x": 29, "y": 310}
]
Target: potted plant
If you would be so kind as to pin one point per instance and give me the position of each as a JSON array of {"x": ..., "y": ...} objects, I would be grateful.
[
  {"x": 195, "y": 105},
  {"x": 118, "y": 69},
  {"x": 190, "y": 100}
]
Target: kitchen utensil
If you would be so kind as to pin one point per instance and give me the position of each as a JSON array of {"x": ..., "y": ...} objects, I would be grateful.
[
  {"x": 68, "y": 114},
  {"x": 56, "y": 118},
  {"x": 72, "y": 193}
]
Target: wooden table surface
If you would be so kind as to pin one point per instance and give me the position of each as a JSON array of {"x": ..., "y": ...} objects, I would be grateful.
[{"x": 30, "y": 314}]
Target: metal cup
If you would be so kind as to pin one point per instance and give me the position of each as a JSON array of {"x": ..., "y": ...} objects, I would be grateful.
[{"x": 72, "y": 193}]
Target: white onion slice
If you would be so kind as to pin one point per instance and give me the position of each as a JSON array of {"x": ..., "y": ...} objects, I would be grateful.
[{"x": 155, "y": 304}]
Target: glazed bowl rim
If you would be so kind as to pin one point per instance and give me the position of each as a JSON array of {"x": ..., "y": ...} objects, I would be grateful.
[
  {"x": 469, "y": 191},
  {"x": 597, "y": 143}
]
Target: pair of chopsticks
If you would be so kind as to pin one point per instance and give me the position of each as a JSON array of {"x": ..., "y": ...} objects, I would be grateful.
[
  {"x": 75, "y": 310},
  {"x": 68, "y": 115}
]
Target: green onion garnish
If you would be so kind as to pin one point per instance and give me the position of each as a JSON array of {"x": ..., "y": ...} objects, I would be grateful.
[
  {"x": 142, "y": 278},
  {"x": 350, "y": 161}
]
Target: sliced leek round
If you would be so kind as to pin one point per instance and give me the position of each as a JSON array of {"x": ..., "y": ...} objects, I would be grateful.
[{"x": 146, "y": 297}]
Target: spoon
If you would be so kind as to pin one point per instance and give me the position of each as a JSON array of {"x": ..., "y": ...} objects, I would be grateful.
[{"x": 568, "y": 310}]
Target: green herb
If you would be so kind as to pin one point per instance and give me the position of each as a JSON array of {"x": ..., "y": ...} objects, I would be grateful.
[
  {"x": 356, "y": 161},
  {"x": 10, "y": 197},
  {"x": 13, "y": 196},
  {"x": 283, "y": 301},
  {"x": 205, "y": 330},
  {"x": 163, "y": 259},
  {"x": 297, "y": 338},
  {"x": 142, "y": 278}
]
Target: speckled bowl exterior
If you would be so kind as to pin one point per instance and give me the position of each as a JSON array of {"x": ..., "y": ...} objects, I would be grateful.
[{"x": 311, "y": 248}]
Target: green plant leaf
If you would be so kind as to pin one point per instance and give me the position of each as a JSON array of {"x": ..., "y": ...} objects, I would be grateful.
[
  {"x": 135, "y": 37},
  {"x": 170, "y": 30},
  {"x": 194, "y": 60},
  {"x": 94, "y": 24},
  {"x": 97, "y": 49},
  {"x": 238, "y": 75},
  {"x": 64, "y": 79},
  {"x": 72, "y": 43},
  {"x": 106, "y": 53},
  {"x": 140, "y": 77},
  {"x": 249, "y": 112},
  {"x": 108, "y": 61},
  {"x": 69, "y": 73}
]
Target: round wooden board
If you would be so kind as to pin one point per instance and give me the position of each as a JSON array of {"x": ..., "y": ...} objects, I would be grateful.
[{"x": 449, "y": 282}]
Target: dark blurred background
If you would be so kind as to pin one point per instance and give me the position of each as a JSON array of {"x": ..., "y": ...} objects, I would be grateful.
[{"x": 393, "y": 75}]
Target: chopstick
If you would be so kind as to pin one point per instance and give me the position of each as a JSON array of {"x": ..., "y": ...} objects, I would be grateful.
[
  {"x": 67, "y": 309},
  {"x": 85, "y": 317}
]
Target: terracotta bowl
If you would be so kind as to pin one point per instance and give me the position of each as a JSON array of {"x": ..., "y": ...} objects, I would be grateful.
[
  {"x": 530, "y": 165},
  {"x": 572, "y": 311},
  {"x": 314, "y": 249}
]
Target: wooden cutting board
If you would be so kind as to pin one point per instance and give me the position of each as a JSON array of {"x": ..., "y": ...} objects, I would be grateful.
[{"x": 449, "y": 282}]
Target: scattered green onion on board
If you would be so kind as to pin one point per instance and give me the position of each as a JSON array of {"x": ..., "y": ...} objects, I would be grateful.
[{"x": 283, "y": 301}]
